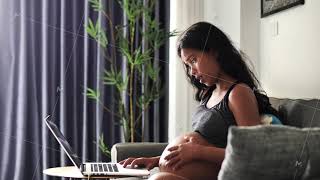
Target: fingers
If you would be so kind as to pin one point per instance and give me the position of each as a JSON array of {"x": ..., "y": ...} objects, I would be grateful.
[
  {"x": 173, "y": 161},
  {"x": 171, "y": 155},
  {"x": 126, "y": 162},
  {"x": 173, "y": 148},
  {"x": 121, "y": 162},
  {"x": 137, "y": 162}
]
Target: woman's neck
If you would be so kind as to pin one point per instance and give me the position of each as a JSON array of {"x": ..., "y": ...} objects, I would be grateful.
[{"x": 224, "y": 82}]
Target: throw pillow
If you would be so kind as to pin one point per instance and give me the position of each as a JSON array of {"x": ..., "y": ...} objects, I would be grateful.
[
  {"x": 313, "y": 145},
  {"x": 268, "y": 119},
  {"x": 270, "y": 152}
]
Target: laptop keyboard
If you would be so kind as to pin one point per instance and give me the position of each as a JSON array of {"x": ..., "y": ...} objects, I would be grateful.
[{"x": 103, "y": 167}]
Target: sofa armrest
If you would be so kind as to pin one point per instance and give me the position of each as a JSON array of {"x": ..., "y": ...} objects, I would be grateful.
[{"x": 122, "y": 151}]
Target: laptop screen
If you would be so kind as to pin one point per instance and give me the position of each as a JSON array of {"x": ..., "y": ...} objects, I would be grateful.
[{"x": 63, "y": 142}]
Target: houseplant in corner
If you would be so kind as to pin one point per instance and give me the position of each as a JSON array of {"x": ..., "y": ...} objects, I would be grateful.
[{"x": 138, "y": 86}]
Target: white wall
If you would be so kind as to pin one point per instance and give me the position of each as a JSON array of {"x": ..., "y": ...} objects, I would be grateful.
[
  {"x": 250, "y": 32},
  {"x": 290, "y": 61},
  {"x": 225, "y": 14}
]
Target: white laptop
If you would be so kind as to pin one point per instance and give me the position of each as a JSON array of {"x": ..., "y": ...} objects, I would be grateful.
[{"x": 92, "y": 168}]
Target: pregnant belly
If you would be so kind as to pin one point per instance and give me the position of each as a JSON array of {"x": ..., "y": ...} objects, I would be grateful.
[{"x": 192, "y": 170}]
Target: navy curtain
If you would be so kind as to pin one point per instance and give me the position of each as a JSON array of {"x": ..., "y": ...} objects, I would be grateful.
[{"x": 46, "y": 62}]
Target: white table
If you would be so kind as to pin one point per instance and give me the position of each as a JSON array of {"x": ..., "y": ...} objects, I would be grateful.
[{"x": 72, "y": 172}]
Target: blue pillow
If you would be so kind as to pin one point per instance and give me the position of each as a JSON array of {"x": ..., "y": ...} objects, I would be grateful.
[{"x": 268, "y": 119}]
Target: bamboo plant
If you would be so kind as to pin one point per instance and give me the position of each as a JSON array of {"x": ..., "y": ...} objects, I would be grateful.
[{"x": 138, "y": 59}]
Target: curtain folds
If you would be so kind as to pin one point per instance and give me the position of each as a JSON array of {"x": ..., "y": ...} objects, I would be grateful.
[{"x": 46, "y": 62}]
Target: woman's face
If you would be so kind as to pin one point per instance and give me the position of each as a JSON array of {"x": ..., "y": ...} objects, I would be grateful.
[{"x": 202, "y": 65}]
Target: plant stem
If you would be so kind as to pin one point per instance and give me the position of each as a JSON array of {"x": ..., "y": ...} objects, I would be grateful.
[
  {"x": 131, "y": 103},
  {"x": 107, "y": 109},
  {"x": 105, "y": 56},
  {"x": 111, "y": 26},
  {"x": 132, "y": 30}
]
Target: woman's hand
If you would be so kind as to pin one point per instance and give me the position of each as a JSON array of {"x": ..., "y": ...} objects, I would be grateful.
[
  {"x": 183, "y": 153},
  {"x": 149, "y": 163}
]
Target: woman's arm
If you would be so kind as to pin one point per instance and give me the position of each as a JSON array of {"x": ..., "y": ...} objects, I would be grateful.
[
  {"x": 244, "y": 106},
  {"x": 193, "y": 150},
  {"x": 211, "y": 154}
]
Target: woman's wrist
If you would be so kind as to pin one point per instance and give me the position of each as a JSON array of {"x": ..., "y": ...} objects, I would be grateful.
[{"x": 157, "y": 159}]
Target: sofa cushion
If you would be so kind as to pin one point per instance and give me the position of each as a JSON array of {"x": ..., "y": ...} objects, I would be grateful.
[
  {"x": 298, "y": 112},
  {"x": 121, "y": 151},
  {"x": 271, "y": 152}
]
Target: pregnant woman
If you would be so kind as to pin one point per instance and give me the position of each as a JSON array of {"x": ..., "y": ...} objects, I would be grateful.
[{"x": 228, "y": 94}]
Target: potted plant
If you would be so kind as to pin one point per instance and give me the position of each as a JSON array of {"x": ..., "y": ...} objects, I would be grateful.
[{"x": 138, "y": 60}]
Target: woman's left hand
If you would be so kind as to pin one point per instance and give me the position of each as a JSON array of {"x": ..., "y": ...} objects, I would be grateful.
[{"x": 182, "y": 153}]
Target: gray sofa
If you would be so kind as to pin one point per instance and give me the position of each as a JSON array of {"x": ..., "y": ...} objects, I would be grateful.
[{"x": 294, "y": 112}]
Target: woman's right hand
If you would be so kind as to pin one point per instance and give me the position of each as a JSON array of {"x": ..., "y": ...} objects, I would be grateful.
[{"x": 149, "y": 163}]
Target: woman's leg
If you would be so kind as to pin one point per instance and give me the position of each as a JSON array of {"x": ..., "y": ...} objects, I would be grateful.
[
  {"x": 166, "y": 176},
  {"x": 195, "y": 170}
]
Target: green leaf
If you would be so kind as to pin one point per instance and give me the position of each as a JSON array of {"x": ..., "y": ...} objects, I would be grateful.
[
  {"x": 96, "y": 5},
  {"x": 141, "y": 58},
  {"x": 124, "y": 84},
  {"x": 133, "y": 9},
  {"x": 116, "y": 79},
  {"x": 142, "y": 101},
  {"x": 103, "y": 147},
  {"x": 107, "y": 73},
  {"x": 103, "y": 39},
  {"x": 110, "y": 83},
  {"x": 92, "y": 94},
  {"x": 97, "y": 26},
  {"x": 95, "y": 31},
  {"x": 152, "y": 72},
  {"x": 127, "y": 55},
  {"x": 91, "y": 29}
]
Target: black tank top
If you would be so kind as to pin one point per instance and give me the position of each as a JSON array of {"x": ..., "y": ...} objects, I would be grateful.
[{"x": 213, "y": 123}]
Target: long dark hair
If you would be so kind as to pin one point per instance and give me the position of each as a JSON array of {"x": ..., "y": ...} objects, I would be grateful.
[{"x": 204, "y": 36}]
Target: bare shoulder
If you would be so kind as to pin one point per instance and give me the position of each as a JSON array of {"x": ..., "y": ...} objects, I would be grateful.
[
  {"x": 241, "y": 91},
  {"x": 243, "y": 104}
]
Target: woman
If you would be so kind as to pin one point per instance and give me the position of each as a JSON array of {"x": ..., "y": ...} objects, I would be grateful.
[{"x": 228, "y": 95}]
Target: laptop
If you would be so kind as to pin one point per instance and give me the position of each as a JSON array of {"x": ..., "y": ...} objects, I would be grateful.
[{"x": 92, "y": 168}]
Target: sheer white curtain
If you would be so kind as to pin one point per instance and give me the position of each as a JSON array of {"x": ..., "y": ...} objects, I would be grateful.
[{"x": 181, "y": 96}]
